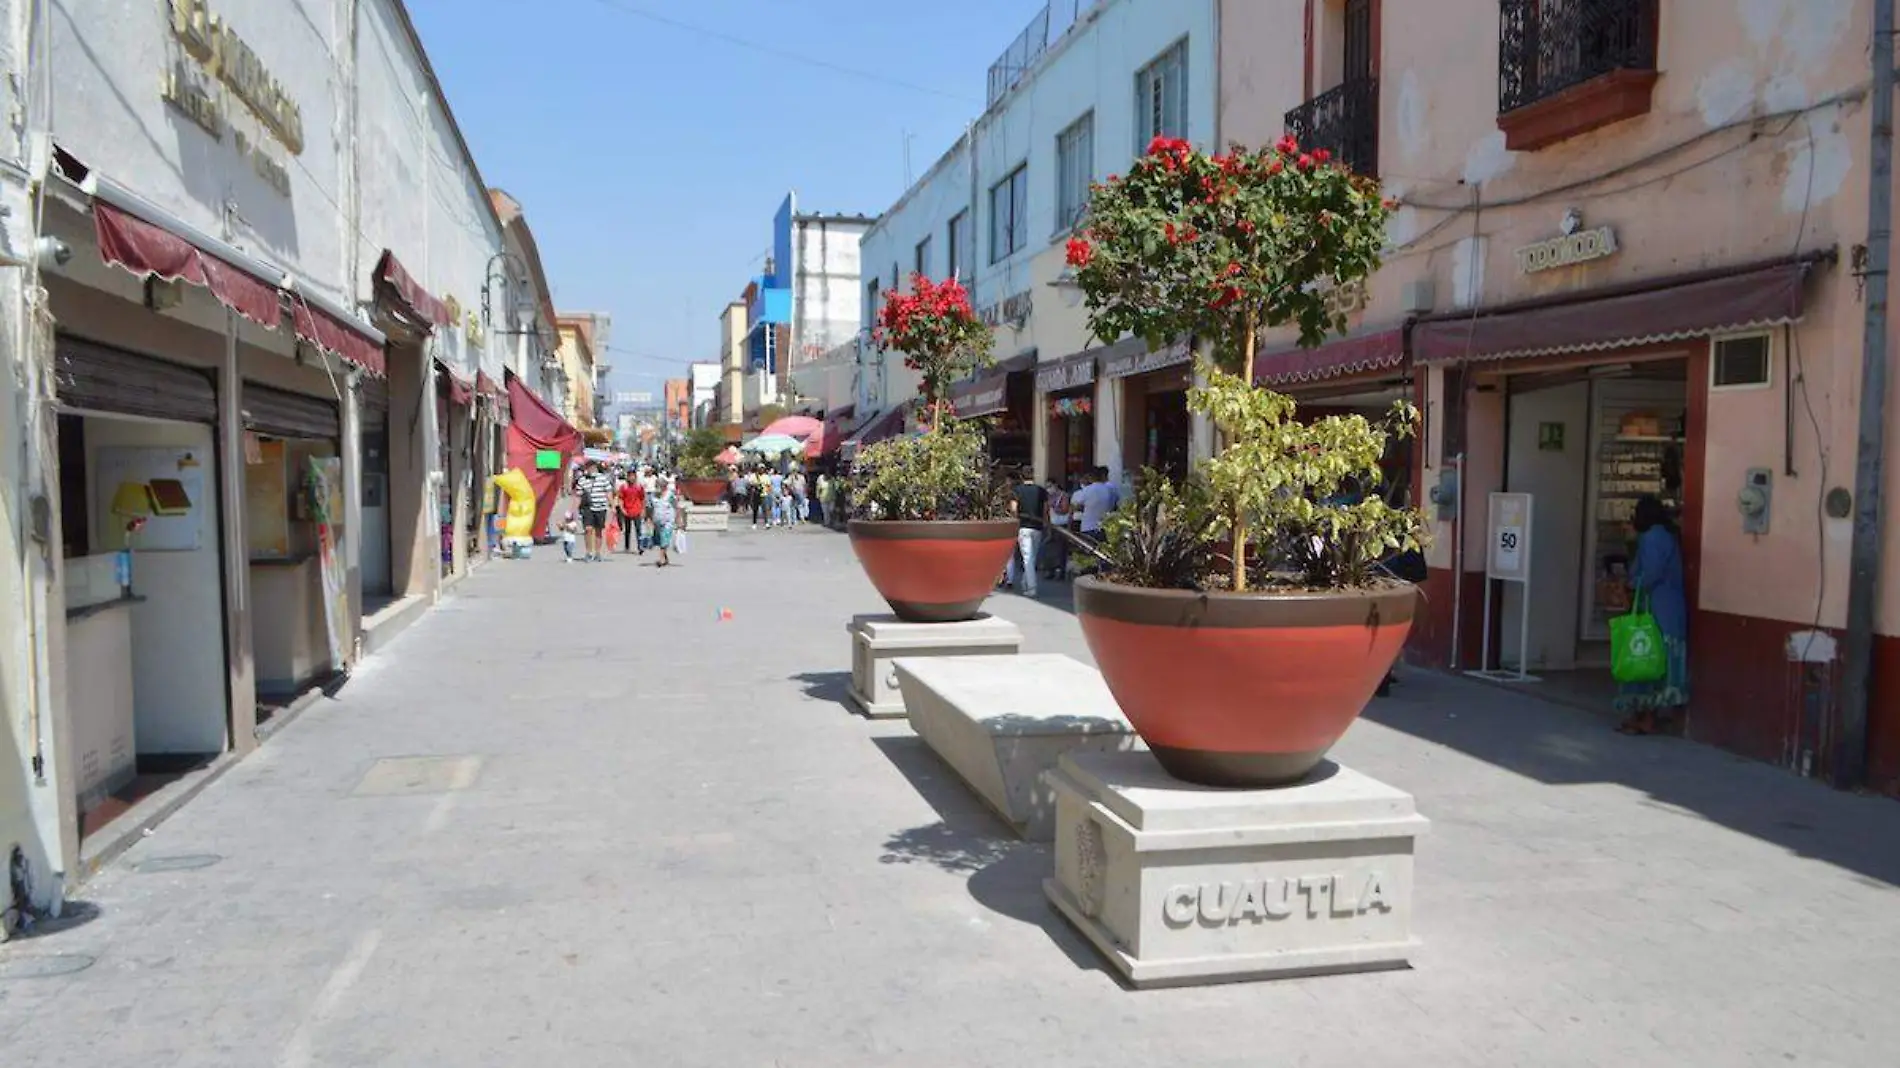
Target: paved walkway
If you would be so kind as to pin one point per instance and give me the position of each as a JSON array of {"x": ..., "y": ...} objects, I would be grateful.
[{"x": 575, "y": 818}]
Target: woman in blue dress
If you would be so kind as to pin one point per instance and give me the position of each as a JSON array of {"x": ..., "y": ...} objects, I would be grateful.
[{"x": 1657, "y": 576}]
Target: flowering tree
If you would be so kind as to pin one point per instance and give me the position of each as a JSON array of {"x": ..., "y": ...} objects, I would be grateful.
[
  {"x": 1219, "y": 247},
  {"x": 939, "y": 334}
]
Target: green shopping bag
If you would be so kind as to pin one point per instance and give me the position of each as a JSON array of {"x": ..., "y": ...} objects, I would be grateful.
[{"x": 1637, "y": 653}]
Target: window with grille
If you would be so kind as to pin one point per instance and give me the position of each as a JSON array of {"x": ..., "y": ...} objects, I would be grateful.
[
  {"x": 959, "y": 244},
  {"x": 1161, "y": 98},
  {"x": 1075, "y": 168},
  {"x": 1741, "y": 361},
  {"x": 870, "y": 301},
  {"x": 1009, "y": 214},
  {"x": 923, "y": 257}
]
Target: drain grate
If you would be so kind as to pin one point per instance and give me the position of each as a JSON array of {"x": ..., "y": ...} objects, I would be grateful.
[{"x": 405, "y": 776}]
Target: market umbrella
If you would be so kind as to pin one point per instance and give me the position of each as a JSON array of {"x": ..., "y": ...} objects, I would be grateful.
[
  {"x": 772, "y": 445},
  {"x": 729, "y": 457},
  {"x": 794, "y": 426}
]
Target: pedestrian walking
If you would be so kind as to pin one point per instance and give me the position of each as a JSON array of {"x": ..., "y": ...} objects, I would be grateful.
[
  {"x": 663, "y": 509},
  {"x": 775, "y": 490},
  {"x": 799, "y": 500},
  {"x": 1030, "y": 502},
  {"x": 597, "y": 494},
  {"x": 1657, "y": 578},
  {"x": 736, "y": 490},
  {"x": 761, "y": 509},
  {"x": 570, "y": 529},
  {"x": 1055, "y": 561},
  {"x": 633, "y": 510}
]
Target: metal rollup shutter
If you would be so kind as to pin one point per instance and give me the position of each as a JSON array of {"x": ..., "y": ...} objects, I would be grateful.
[
  {"x": 92, "y": 377},
  {"x": 372, "y": 400},
  {"x": 280, "y": 414}
]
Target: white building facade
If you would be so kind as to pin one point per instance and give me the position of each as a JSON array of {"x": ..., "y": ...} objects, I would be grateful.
[{"x": 1075, "y": 99}]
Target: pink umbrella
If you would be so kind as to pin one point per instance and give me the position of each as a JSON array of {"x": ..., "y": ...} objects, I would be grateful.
[
  {"x": 795, "y": 426},
  {"x": 730, "y": 457}
]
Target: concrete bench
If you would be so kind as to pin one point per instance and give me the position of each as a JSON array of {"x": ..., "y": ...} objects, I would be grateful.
[
  {"x": 1001, "y": 721},
  {"x": 876, "y": 641}
]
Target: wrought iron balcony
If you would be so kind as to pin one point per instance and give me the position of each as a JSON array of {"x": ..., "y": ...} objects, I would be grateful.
[
  {"x": 1548, "y": 46},
  {"x": 1343, "y": 120}
]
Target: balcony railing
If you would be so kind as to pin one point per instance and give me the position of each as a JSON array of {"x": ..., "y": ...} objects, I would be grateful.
[
  {"x": 1548, "y": 46},
  {"x": 1343, "y": 120}
]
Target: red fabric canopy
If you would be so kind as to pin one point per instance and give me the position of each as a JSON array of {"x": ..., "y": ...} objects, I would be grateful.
[
  {"x": 794, "y": 426},
  {"x": 461, "y": 390},
  {"x": 1334, "y": 359},
  {"x": 147, "y": 249},
  {"x": 537, "y": 428},
  {"x": 335, "y": 337},
  {"x": 424, "y": 305}
]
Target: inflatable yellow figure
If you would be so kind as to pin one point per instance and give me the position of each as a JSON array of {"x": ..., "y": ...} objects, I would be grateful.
[{"x": 517, "y": 526}]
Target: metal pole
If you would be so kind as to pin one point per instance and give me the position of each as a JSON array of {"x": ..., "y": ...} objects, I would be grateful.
[{"x": 1863, "y": 589}]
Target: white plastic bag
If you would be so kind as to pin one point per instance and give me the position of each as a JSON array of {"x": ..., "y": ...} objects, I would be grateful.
[{"x": 680, "y": 542}]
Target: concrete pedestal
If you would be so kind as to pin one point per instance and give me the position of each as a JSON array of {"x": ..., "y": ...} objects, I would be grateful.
[
  {"x": 1179, "y": 884},
  {"x": 878, "y": 640},
  {"x": 709, "y": 518},
  {"x": 1000, "y": 722}
]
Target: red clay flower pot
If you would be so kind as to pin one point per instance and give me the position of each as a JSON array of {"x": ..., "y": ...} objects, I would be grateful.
[
  {"x": 702, "y": 490},
  {"x": 1242, "y": 690},
  {"x": 934, "y": 571}
]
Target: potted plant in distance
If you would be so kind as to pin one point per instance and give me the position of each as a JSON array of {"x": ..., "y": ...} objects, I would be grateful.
[
  {"x": 702, "y": 480},
  {"x": 1241, "y": 621},
  {"x": 929, "y": 524}
]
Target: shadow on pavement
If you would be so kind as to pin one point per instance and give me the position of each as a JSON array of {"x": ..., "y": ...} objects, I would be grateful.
[
  {"x": 1005, "y": 873},
  {"x": 72, "y": 914},
  {"x": 1564, "y": 746},
  {"x": 832, "y": 686}
]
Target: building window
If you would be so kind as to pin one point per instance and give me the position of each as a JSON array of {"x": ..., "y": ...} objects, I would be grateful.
[
  {"x": 923, "y": 257},
  {"x": 870, "y": 301},
  {"x": 1075, "y": 168},
  {"x": 1161, "y": 98},
  {"x": 1009, "y": 215},
  {"x": 959, "y": 243},
  {"x": 1741, "y": 361}
]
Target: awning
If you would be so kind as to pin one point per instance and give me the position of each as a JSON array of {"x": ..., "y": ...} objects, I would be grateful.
[
  {"x": 1074, "y": 372},
  {"x": 887, "y": 425},
  {"x": 420, "y": 304},
  {"x": 1379, "y": 351},
  {"x": 1139, "y": 359},
  {"x": 336, "y": 337},
  {"x": 987, "y": 391},
  {"x": 497, "y": 396},
  {"x": 147, "y": 249},
  {"x": 461, "y": 390},
  {"x": 1686, "y": 306},
  {"x": 831, "y": 438}
]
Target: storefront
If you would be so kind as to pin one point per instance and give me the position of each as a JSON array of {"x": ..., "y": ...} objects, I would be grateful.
[
  {"x": 1156, "y": 429},
  {"x": 457, "y": 509},
  {"x": 1365, "y": 375},
  {"x": 1588, "y": 403},
  {"x": 1004, "y": 394},
  {"x": 1065, "y": 394},
  {"x": 293, "y": 486}
]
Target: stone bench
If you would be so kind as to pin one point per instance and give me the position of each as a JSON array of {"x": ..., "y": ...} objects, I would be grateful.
[
  {"x": 878, "y": 640},
  {"x": 1002, "y": 721},
  {"x": 705, "y": 518}
]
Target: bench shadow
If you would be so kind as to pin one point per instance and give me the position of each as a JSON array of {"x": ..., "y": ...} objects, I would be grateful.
[
  {"x": 1005, "y": 873},
  {"x": 829, "y": 686}
]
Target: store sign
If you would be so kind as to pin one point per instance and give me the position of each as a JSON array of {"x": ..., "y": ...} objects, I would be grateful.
[
  {"x": 1509, "y": 557},
  {"x": 1140, "y": 363},
  {"x": 1014, "y": 310},
  {"x": 1348, "y": 299},
  {"x": 986, "y": 398},
  {"x": 212, "y": 58},
  {"x": 1065, "y": 374},
  {"x": 1568, "y": 250}
]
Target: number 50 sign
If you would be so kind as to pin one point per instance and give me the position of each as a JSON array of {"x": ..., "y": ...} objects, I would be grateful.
[{"x": 1509, "y": 556}]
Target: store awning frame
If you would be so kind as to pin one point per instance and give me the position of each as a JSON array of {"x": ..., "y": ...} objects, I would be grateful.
[
  {"x": 1720, "y": 300},
  {"x": 1380, "y": 350},
  {"x": 987, "y": 391},
  {"x": 416, "y": 302},
  {"x": 885, "y": 425},
  {"x": 1139, "y": 359},
  {"x": 461, "y": 390}
]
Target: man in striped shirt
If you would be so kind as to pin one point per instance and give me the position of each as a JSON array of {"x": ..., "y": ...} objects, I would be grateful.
[{"x": 596, "y": 488}]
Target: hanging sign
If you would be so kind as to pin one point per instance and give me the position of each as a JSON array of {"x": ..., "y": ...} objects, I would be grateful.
[
  {"x": 1509, "y": 556},
  {"x": 1568, "y": 250}
]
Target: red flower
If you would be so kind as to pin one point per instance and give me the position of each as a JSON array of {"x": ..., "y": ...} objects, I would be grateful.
[
  {"x": 1274, "y": 167},
  {"x": 1227, "y": 296},
  {"x": 1322, "y": 155},
  {"x": 1288, "y": 146},
  {"x": 1305, "y": 162},
  {"x": 1233, "y": 269},
  {"x": 1246, "y": 226},
  {"x": 1080, "y": 252},
  {"x": 1169, "y": 233}
]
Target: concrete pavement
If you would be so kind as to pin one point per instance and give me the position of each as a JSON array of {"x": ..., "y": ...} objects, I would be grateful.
[{"x": 575, "y": 817}]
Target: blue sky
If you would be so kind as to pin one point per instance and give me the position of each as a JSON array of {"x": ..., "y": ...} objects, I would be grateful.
[{"x": 650, "y": 158}]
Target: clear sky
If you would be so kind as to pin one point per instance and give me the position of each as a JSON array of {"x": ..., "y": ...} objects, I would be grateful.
[{"x": 650, "y": 158}]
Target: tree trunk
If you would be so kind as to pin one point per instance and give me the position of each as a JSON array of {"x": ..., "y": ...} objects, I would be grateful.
[{"x": 1240, "y": 514}]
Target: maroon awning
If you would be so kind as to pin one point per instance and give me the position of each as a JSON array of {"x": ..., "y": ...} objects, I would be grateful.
[
  {"x": 1671, "y": 309},
  {"x": 1138, "y": 359},
  {"x": 421, "y": 303},
  {"x": 336, "y": 337},
  {"x": 461, "y": 390},
  {"x": 836, "y": 420},
  {"x": 1074, "y": 372},
  {"x": 147, "y": 249},
  {"x": 987, "y": 391},
  {"x": 888, "y": 425},
  {"x": 1335, "y": 359}
]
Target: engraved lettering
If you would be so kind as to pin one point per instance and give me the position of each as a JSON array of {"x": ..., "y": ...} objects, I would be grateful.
[
  {"x": 1258, "y": 900},
  {"x": 1181, "y": 904},
  {"x": 1252, "y": 904},
  {"x": 1373, "y": 896},
  {"x": 1283, "y": 907},
  {"x": 1217, "y": 900},
  {"x": 1310, "y": 886}
]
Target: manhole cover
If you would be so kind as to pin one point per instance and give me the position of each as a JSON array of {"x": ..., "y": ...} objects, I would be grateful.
[
  {"x": 186, "y": 862},
  {"x": 45, "y": 967},
  {"x": 402, "y": 776}
]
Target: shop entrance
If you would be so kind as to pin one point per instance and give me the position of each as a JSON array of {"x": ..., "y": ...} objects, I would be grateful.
[
  {"x": 1071, "y": 444},
  {"x": 1587, "y": 443},
  {"x": 373, "y": 554},
  {"x": 147, "y": 686}
]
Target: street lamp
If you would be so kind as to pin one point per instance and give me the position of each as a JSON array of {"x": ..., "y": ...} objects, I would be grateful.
[{"x": 524, "y": 304}]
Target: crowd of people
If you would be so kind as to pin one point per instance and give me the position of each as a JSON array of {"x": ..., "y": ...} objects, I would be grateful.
[
  {"x": 775, "y": 499},
  {"x": 1046, "y": 513},
  {"x": 636, "y": 507}
]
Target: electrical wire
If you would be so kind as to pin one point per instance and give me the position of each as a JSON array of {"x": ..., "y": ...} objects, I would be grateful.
[
  {"x": 779, "y": 53},
  {"x": 1822, "y": 452}
]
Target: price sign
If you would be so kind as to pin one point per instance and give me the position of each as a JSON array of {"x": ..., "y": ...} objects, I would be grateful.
[{"x": 1510, "y": 537}]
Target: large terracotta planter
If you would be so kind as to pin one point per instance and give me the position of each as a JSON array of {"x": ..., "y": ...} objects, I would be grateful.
[
  {"x": 932, "y": 571},
  {"x": 1242, "y": 690},
  {"x": 703, "y": 490}
]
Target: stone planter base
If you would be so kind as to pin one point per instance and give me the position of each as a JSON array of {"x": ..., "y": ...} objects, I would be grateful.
[
  {"x": 1179, "y": 884},
  {"x": 706, "y": 518},
  {"x": 877, "y": 640},
  {"x": 1000, "y": 722}
]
